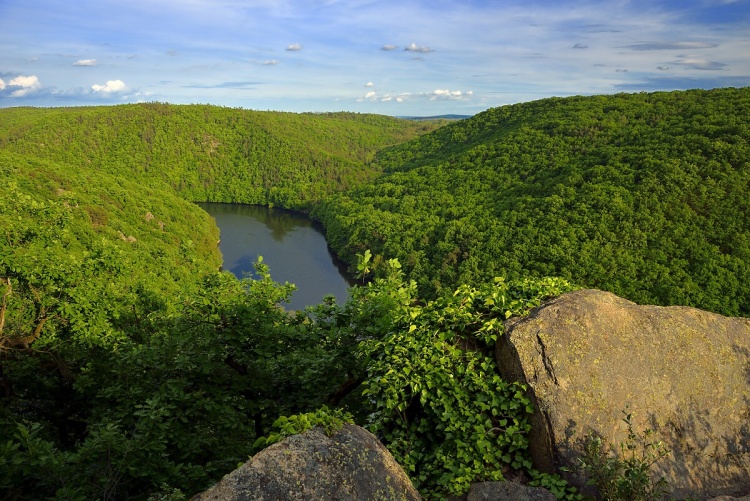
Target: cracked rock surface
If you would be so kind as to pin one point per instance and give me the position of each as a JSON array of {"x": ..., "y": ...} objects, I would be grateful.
[
  {"x": 589, "y": 355},
  {"x": 349, "y": 465}
]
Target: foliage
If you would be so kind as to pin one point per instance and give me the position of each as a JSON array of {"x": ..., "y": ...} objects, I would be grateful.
[
  {"x": 643, "y": 195},
  {"x": 625, "y": 476},
  {"x": 211, "y": 153},
  {"x": 131, "y": 368},
  {"x": 108, "y": 464},
  {"x": 557, "y": 485},
  {"x": 435, "y": 395},
  {"x": 331, "y": 420},
  {"x": 188, "y": 370},
  {"x": 73, "y": 290},
  {"x": 363, "y": 264},
  {"x": 128, "y": 368},
  {"x": 191, "y": 398}
]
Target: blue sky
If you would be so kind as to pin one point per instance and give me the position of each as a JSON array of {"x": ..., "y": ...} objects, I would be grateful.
[{"x": 383, "y": 56}]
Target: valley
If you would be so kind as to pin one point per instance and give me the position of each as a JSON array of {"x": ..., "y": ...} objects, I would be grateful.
[{"x": 131, "y": 366}]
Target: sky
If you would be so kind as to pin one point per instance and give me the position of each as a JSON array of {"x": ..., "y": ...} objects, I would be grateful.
[{"x": 392, "y": 57}]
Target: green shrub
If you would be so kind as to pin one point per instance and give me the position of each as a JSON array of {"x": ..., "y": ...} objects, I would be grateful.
[
  {"x": 625, "y": 476},
  {"x": 331, "y": 420},
  {"x": 436, "y": 397}
]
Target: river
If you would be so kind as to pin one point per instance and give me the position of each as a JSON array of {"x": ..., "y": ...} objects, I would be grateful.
[{"x": 293, "y": 246}]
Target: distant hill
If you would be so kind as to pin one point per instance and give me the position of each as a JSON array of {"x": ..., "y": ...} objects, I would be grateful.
[
  {"x": 210, "y": 153},
  {"x": 438, "y": 117},
  {"x": 644, "y": 195}
]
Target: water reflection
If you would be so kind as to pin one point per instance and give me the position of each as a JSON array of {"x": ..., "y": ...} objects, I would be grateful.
[{"x": 291, "y": 245}]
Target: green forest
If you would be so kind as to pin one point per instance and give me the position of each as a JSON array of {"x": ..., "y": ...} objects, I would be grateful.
[
  {"x": 643, "y": 195},
  {"x": 211, "y": 153},
  {"x": 131, "y": 367}
]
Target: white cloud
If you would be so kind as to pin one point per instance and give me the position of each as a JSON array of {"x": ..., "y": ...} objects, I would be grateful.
[
  {"x": 270, "y": 62},
  {"x": 369, "y": 84},
  {"x": 110, "y": 87},
  {"x": 21, "y": 85},
  {"x": 373, "y": 96},
  {"x": 435, "y": 95},
  {"x": 448, "y": 94},
  {"x": 25, "y": 81},
  {"x": 2, "y": 84},
  {"x": 85, "y": 62},
  {"x": 389, "y": 47},
  {"x": 294, "y": 47},
  {"x": 417, "y": 48}
]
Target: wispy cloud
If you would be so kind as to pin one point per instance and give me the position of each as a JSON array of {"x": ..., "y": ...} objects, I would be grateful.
[
  {"x": 670, "y": 46},
  {"x": 418, "y": 48},
  {"x": 369, "y": 84},
  {"x": 85, "y": 62},
  {"x": 699, "y": 64},
  {"x": 389, "y": 47},
  {"x": 270, "y": 62},
  {"x": 580, "y": 46},
  {"x": 682, "y": 83},
  {"x": 294, "y": 47},
  {"x": 225, "y": 85}
]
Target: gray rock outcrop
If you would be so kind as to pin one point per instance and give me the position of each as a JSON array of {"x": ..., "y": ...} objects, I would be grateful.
[
  {"x": 349, "y": 465},
  {"x": 682, "y": 372}
]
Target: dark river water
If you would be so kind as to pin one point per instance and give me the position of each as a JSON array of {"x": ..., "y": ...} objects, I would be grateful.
[{"x": 292, "y": 246}]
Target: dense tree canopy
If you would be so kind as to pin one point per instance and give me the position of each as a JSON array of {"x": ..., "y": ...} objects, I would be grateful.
[
  {"x": 129, "y": 365},
  {"x": 644, "y": 195},
  {"x": 210, "y": 153},
  {"x": 131, "y": 368}
]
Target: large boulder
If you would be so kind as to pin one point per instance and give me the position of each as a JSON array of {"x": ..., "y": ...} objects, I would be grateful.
[
  {"x": 349, "y": 465},
  {"x": 589, "y": 355}
]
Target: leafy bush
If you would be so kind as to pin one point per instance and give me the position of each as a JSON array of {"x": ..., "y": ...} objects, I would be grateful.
[
  {"x": 435, "y": 395},
  {"x": 331, "y": 420},
  {"x": 625, "y": 476}
]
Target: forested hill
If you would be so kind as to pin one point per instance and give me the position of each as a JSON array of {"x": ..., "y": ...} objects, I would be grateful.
[
  {"x": 644, "y": 195},
  {"x": 210, "y": 153},
  {"x": 118, "y": 334}
]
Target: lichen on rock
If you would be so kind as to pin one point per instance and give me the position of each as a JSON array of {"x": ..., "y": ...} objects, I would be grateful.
[{"x": 684, "y": 373}]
